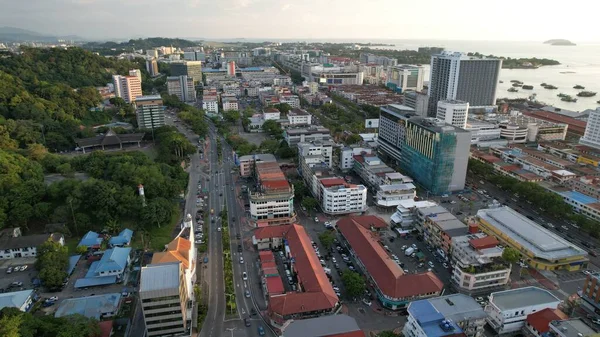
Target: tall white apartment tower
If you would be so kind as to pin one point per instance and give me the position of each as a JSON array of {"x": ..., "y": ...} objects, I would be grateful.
[
  {"x": 127, "y": 87},
  {"x": 591, "y": 137},
  {"x": 453, "y": 112},
  {"x": 456, "y": 76}
]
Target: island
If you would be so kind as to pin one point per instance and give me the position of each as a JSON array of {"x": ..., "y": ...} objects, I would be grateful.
[
  {"x": 559, "y": 42},
  {"x": 519, "y": 63}
]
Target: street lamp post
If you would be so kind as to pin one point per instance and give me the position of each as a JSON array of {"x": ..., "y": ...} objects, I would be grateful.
[{"x": 231, "y": 330}]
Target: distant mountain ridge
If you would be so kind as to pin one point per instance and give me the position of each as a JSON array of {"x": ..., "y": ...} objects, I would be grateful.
[
  {"x": 146, "y": 43},
  {"x": 559, "y": 42},
  {"x": 14, "y": 34}
]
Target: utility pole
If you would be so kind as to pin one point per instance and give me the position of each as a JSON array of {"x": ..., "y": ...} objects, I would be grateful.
[{"x": 70, "y": 201}]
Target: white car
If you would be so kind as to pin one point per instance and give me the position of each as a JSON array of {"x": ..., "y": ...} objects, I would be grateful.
[
  {"x": 336, "y": 288},
  {"x": 244, "y": 276},
  {"x": 53, "y": 298},
  {"x": 17, "y": 268},
  {"x": 218, "y": 229},
  {"x": 316, "y": 219},
  {"x": 241, "y": 260},
  {"x": 333, "y": 260},
  {"x": 366, "y": 301}
]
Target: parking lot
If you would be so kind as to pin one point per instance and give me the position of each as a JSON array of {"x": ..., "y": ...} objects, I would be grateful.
[{"x": 16, "y": 275}]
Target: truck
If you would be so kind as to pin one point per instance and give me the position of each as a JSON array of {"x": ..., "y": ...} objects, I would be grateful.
[{"x": 409, "y": 251}]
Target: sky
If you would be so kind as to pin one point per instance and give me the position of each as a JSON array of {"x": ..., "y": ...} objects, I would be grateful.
[{"x": 506, "y": 20}]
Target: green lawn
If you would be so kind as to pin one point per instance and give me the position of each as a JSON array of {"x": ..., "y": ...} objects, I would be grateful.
[
  {"x": 158, "y": 237},
  {"x": 71, "y": 243}
]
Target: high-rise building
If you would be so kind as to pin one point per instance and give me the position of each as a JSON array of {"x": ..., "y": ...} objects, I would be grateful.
[
  {"x": 430, "y": 151},
  {"x": 164, "y": 297},
  {"x": 150, "y": 112},
  {"x": 231, "y": 68},
  {"x": 453, "y": 112},
  {"x": 152, "y": 67},
  {"x": 127, "y": 87},
  {"x": 591, "y": 137},
  {"x": 152, "y": 52},
  {"x": 137, "y": 73},
  {"x": 182, "y": 87},
  {"x": 417, "y": 100},
  {"x": 405, "y": 77},
  {"x": 456, "y": 76},
  {"x": 192, "y": 69}
]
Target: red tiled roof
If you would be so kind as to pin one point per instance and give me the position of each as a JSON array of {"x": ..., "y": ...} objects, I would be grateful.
[
  {"x": 271, "y": 109},
  {"x": 318, "y": 293},
  {"x": 266, "y": 256},
  {"x": 357, "y": 333},
  {"x": 483, "y": 243},
  {"x": 329, "y": 182},
  {"x": 268, "y": 264},
  {"x": 541, "y": 319},
  {"x": 388, "y": 276},
  {"x": 575, "y": 125},
  {"x": 359, "y": 158},
  {"x": 271, "y": 232},
  {"x": 281, "y": 185},
  {"x": 275, "y": 285},
  {"x": 367, "y": 221},
  {"x": 106, "y": 328}
]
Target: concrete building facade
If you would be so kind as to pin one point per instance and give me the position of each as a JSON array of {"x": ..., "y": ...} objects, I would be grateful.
[{"x": 150, "y": 112}]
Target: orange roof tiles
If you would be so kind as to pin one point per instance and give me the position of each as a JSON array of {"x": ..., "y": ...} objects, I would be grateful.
[
  {"x": 318, "y": 293},
  {"x": 177, "y": 250},
  {"x": 357, "y": 333},
  {"x": 276, "y": 185},
  {"x": 266, "y": 256},
  {"x": 483, "y": 243},
  {"x": 272, "y": 232},
  {"x": 388, "y": 276},
  {"x": 541, "y": 319},
  {"x": 367, "y": 221},
  {"x": 329, "y": 182},
  {"x": 274, "y": 285}
]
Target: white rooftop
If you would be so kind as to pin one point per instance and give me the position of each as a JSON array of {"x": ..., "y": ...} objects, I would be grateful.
[
  {"x": 522, "y": 297},
  {"x": 543, "y": 243}
]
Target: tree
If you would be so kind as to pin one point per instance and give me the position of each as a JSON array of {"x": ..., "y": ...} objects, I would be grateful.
[
  {"x": 273, "y": 129},
  {"x": 326, "y": 239},
  {"x": 353, "y": 139},
  {"x": 300, "y": 190},
  {"x": 81, "y": 250},
  {"x": 283, "y": 107},
  {"x": 9, "y": 325},
  {"x": 354, "y": 284},
  {"x": 52, "y": 262},
  {"x": 510, "y": 255},
  {"x": 387, "y": 334},
  {"x": 309, "y": 203}
]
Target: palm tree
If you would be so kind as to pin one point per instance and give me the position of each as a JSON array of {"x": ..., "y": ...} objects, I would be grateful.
[{"x": 113, "y": 227}]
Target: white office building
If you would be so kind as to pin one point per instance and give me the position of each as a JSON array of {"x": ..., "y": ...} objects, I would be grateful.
[
  {"x": 508, "y": 310},
  {"x": 404, "y": 77},
  {"x": 182, "y": 87},
  {"x": 392, "y": 195},
  {"x": 322, "y": 150},
  {"x": 339, "y": 197},
  {"x": 230, "y": 104},
  {"x": 591, "y": 137},
  {"x": 453, "y": 112},
  {"x": 347, "y": 156},
  {"x": 165, "y": 302},
  {"x": 478, "y": 266},
  {"x": 299, "y": 117},
  {"x": 392, "y": 131},
  {"x": 482, "y": 131},
  {"x": 210, "y": 104},
  {"x": 306, "y": 135},
  {"x": 417, "y": 100},
  {"x": 406, "y": 212},
  {"x": 456, "y": 76},
  {"x": 150, "y": 112}
]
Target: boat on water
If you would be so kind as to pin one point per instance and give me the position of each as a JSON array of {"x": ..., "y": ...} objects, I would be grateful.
[
  {"x": 513, "y": 90},
  {"x": 579, "y": 87},
  {"x": 550, "y": 87},
  {"x": 516, "y": 81},
  {"x": 527, "y": 87},
  {"x": 562, "y": 95},
  {"x": 544, "y": 84},
  {"x": 501, "y": 81},
  {"x": 517, "y": 84},
  {"x": 568, "y": 98},
  {"x": 586, "y": 94},
  {"x": 598, "y": 101}
]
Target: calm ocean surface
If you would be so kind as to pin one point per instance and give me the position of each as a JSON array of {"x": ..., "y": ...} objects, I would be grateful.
[{"x": 582, "y": 60}]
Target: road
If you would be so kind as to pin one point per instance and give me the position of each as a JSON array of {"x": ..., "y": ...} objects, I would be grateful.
[{"x": 222, "y": 194}]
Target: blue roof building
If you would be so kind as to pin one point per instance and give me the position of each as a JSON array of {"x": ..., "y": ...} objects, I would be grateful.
[
  {"x": 424, "y": 320},
  {"x": 90, "y": 239},
  {"x": 123, "y": 239},
  {"x": 73, "y": 263},
  {"x": 99, "y": 306},
  {"x": 21, "y": 300},
  {"x": 113, "y": 263}
]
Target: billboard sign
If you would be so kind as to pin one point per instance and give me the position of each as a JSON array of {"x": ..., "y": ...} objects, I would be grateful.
[{"x": 372, "y": 123}]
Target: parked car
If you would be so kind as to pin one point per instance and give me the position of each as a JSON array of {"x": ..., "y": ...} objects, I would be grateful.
[
  {"x": 316, "y": 219},
  {"x": 366, "y": 301},
  {"x": 9, "y": 270},
  {"x": 246, "y": 322},
  {"x": 261, "y": 330}
]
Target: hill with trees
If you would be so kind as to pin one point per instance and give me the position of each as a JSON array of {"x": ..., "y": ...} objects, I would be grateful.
[
  {"x": 136, "y": 44},
  {"x": 46, "y": 95}
]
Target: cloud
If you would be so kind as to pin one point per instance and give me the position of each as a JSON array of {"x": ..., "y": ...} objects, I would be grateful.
[{"x": 286, "y": 7}]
